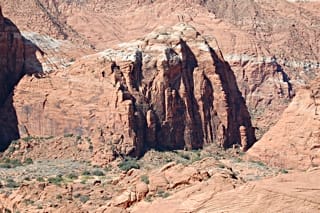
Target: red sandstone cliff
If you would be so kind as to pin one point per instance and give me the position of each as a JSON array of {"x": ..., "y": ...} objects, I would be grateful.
[
  {"x": 170, "y": 90},
  {"x": 247, "y": 33},
  {"x": 11, "y": 70},
  {"x": 12, "y": 57},
  {"x": 17, "y": 59}
]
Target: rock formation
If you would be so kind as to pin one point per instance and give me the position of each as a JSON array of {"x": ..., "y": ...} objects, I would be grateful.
[
  {"x": 81, "y": 110},
  {"x": 11, "y": 70},
  {"x": 17, "y": 59},
  {"x": 170, "y": 90},
  {"x": 295, "y": 192},
  {"x": 294, "y": 141},
  {"x": 246, "y": 32},
  {"x": 12, "y": 57}
]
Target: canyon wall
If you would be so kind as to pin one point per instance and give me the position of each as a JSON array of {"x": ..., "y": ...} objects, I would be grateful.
[
  {"x": 11, "y": 69},
  {"x": 170, "y": 90},
  {"x": 17, "y": 59}
]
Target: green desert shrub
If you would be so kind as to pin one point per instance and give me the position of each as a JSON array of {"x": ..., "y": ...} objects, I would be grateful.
[
  {"x": 84, "y": 198},
  {"x": 28, "y": 161},
  {"x": 129, "y": 163},
  {"x": 12, "y": 183},
  {"x": 145, "y": 179},
  {"x": 55, "y": 180},
  {"x": 98, "y": 173},
  {"x": 72, "y": 176}
]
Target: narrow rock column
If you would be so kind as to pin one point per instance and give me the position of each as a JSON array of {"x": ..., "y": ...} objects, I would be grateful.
[{"x": 243, "y": 136}]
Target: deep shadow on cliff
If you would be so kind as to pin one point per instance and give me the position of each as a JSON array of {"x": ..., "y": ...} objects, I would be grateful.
[
  {"x": 18, "y": 58},
  {"x": 189, "y": 116},
  {"x": 240, "y": 116}
]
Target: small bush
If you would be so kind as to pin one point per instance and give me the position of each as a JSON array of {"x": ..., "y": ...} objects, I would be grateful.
[
  {"x": 84, "y": 198},
  {"x": 145, "y": 179},
  {"x": 72, "y": 176},
  {"x": 237, "y": 160},
  {"x": 77, "y": 195},
  {"x": 88, "y": 139},
  {"x": 163, "y": 194},
  {"x": 221, "y": 166},
  {"x": 55, "y": 180},
  {"x": 27, "y": 179},
  {"x": 184, "y": 155},
  {"x": 68, "y": 135},
  {"x": 86, "y": 173},
  {"x": 28, "y": 161},
  {"x": 49, "y": 137},
  {"x": 259, "y": 163},
  {"x": 16, "y": 162},
  {"x": 5, "y": 165},
  {"x": 148, "y": 198},
  {"x": 11, "y": 149},
  {"x": 78, "y": 138},
  {"x": 59, "y": 197},
  {"x": 28, "y": 202},
  {"x": 40, "y": 179},
  {"x": 284, "y": 171},
  {"x": 97, "y": 173},
  {"x": 129, "y": 163},
  {"x": 12, "y": 184},
  {"x": 28, "y": 138},
  {"x": 108, "y": 168},
  {"x": 8, "y": 163}
]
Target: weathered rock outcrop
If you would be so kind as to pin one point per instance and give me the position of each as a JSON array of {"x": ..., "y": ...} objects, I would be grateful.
[
  {"x": 169, "y": 90},
  {"x": 11, "y": 69},
  {"x": 16, "y": 59},
  {"x": 246, "y": 32},
  {"x": 12, "y": 57},
  {"x": 294, "y": 141},
  {"x": 296, "y": 192}
]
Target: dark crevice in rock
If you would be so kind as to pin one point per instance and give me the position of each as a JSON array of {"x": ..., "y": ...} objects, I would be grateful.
[
  {"x": 238, "y": 114},
  {"x": 193, "y": 135}
]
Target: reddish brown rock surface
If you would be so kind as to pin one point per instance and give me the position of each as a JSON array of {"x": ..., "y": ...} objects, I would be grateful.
[
  {"x": 294, "y": 141},
  {"x": 246, "y": 32},
  {"x": 162, "y": 84},
  {"x": 11, "y": 70},
  {"x": 12, "y": 56},
  {"x": 17, "y": 59},
  {"x": 292, "y": 193},
  {"x": 169, "y": 90}
]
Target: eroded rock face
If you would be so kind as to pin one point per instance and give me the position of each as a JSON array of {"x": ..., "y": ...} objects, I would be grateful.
[
  {"x": 11, "y": 69},
  {"x": 245, "y": 30},
  {"x": 17, "y": 58},
  {"x": 12, "y": 56},
  {"x": 293, "y": 142},
  {"x": 190, "y": 96},
  {"x": 169, "y": 90}
]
